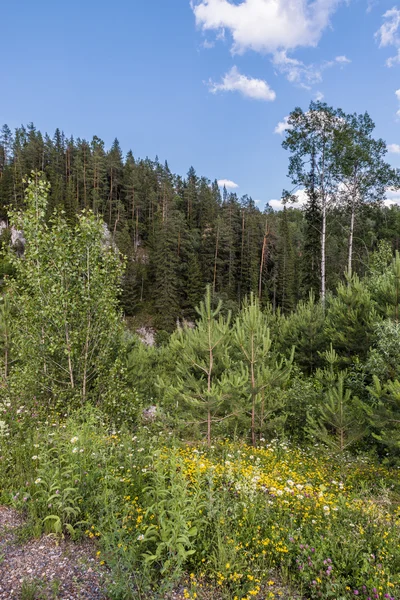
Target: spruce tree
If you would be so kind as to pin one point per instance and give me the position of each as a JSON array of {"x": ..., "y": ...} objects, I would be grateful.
[{"x": 286, "y": 266}]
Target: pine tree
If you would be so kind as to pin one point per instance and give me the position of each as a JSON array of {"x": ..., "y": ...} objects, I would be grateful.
[
  {"x": 204, "y": 384},
  {"x": 385, "y": 413},
  {"x": 194, "y": 286},
  {"x": 251, "y": 336},
  {"x": 384, "y": 286},
  {"x": 350, "y": 319},
  {"x": 114, "y": 172},
  {"x": 341, "y": 418},
  {"x": 304, "y": 329},
  {"x": 166, "y": 271}
]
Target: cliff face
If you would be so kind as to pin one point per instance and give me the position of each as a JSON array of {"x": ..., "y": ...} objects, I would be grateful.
[{"x": 17, "y": 238}]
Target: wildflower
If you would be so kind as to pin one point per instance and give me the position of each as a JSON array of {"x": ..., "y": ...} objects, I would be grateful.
[
  {"x": 35, "y": 457},
  {"x": 74, "y": 440},
  {"x": 140, "y": 537},
  {"x": 38, "y": 480},
  {"x": 74, "y": 450}
]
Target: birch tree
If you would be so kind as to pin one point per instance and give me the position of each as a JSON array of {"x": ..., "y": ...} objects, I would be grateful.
[
  {"x": 310, "y": 140},
  {"x": 359, "y": 169}
]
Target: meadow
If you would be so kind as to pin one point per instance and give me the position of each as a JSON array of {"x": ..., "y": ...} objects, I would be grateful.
[{"x": 239, "y": 520}]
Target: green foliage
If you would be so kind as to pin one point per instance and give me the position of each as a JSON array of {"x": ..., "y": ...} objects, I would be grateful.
[
  {"x": 384, "y": 286},
  {"x": 90, "y": 415},
  {"x": 385, "y": 417},
  {"x": 340, "y": 419},
  {"x": 350, "y": 319},
  {"x": 171, "y": 538},
  {"x": 384, "y": 357},
  {"x": 304, "y": 329},
  {"x": 264, "y": 373},
  {"x": 203, "y": 381},
  {"x": 64, "y": 298}
]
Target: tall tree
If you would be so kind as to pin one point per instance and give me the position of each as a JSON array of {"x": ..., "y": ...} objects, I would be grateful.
[
  {"x": 359, "y": 168},
  {"x": 309, "y": 138}
]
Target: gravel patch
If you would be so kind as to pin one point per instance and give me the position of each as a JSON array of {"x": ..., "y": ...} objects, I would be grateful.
[{"x": 46, "y": 567}]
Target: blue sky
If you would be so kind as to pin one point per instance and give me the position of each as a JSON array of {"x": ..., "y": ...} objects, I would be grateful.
[{"x": 203, "y": 83}]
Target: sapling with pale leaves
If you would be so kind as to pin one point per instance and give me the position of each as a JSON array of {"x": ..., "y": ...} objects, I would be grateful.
[{"x": 65, "y": 298}]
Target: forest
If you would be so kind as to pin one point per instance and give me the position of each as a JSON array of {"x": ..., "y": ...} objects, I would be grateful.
[
  {"x": 179, "y": 234},
  {"x": 251, "y": 450}
]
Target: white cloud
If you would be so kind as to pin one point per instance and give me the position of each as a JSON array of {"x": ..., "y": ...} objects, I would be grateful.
[
  {"x": 228, "y": 183},
  {"x": 319, "y": 96},
  {"x": 207, "y": 45},
  {"x": 301, "y": 196},
  {"x": 296, "y": 71},
  {"x": 276, "y": 204},
  {"x": 342, "y": 59},
  {"x": 266, "y": 26},
  {"x": 301, "y": 74},
  {"x": 392, "y": 197},
  {"x": 393, "y": 59},
  {"x": 282, "y": 126},
  {"x": 387, "y": 34},
  {"x": 393, "y": 148},
  {"x": 234, "y": 81}
]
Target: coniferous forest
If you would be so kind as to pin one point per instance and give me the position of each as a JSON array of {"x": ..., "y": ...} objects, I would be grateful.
[
  {"x": 181, "y": 233},
  {"x": 207, "y": 391}
]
